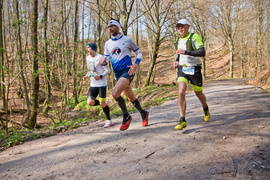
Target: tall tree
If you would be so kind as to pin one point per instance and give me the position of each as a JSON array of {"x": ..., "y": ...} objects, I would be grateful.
[
  {"x": 138, "y": 73},
  {"x": 18, "y": 44},
  {"x": 2, "y": 71},
  {"x": 65, "y": 53},
  {"x": 261, "y": 7},
  {"x": 155, "y": 22},
  {"x": 243, "y": 21},
  {"x": 2, "y": 64},
  {"x": 35, "y": 74},
  {"x": 226, "y": 13},
  {"x": 82, "y": 45},
  {"x": 63, "y": 64},
  {"x": 99, "y": 26},
  {"x": 268, "y": 35},
  {"x": 46, "y": 59},
  {"x": 74, "y": 55},
  {"x": 125, "y": 13}
]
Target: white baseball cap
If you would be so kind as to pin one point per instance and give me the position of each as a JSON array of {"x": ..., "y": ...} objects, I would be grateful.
[{"x": 182, "y": 21}]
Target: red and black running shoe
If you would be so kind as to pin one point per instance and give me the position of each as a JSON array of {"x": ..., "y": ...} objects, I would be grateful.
[
  {"x": 144, "y": 115},
  {"x": 126, "y": 122}
]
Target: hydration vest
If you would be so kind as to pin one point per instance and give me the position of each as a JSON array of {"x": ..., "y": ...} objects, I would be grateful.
[{"x": 189, "y": 45}]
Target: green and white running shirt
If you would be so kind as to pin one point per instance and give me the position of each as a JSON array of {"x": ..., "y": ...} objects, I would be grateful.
[{"x": 187, "y": 60}]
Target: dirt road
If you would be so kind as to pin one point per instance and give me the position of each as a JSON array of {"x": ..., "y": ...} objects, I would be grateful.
[{"x": 234, "y": 144}]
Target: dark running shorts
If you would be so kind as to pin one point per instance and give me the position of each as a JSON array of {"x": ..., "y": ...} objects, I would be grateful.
[
  {"x": 123, "y": 73},
  {"x": 195, "y": 79},
  {"x": 95, "y": 91}
]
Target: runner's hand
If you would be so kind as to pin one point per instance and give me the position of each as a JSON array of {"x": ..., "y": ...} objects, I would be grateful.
[
  {"x": 180, "y": 51},
  {"x": 103, "y": 62},
  {"x": 97, "y": 77},
  {"x": 132, "y": 69},
  {"x": 85, "y": 78},
  {"x": 175, "y": 64}
]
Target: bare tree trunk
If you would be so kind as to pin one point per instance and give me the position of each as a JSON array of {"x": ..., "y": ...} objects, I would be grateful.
[
  {"x": 153, "y": 75},
  {"x": 2, "y": 86},
  {"x": 89, "y": 26},
  {"x": 138, "y": 77},
  {"x": 126, "y": 15},
  {"x": 46, "y": 60},
  {"x": 18, "y": 45},
  {"x": 74, "y": 56},
  {"x": 4, "y": 70},
  {"x": 11, "y": 30},
  {"x": 260, "y": 28},
  {"x": 19, "y": 92},
  {"x": 242, "y": 64},
  {"x": 150, "y": 52},
  {"x": 63, "y": 65},
  {"x": 242, "y": 57},
  {"x": 231, "y": 47},
  {"x": 152, "y": 62},
  {"x": 242, "y": 47},
  {"x": 259, "y": 31},
  {"x": 99, "y": 28},
  {"x": 82, "y": 48},
  {"x": 14, "y": 49},
  {"x": 249, "y": 67},
  {"x": 156, "y": 19},
  {"x": 2, "y": 73},
  {"x": 227, "y": 25},
  {"x": 35, "y": 74},
  {"x": 65, "y": 56},
  {"x": 204, "y": 67},
  {"x": 268, "y": 37}
]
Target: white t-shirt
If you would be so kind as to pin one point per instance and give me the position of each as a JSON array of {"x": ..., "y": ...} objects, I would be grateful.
[{"x": 94, "y": 68}]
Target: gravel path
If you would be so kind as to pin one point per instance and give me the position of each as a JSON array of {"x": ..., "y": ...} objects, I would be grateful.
[{"x": 234, "y": 144}]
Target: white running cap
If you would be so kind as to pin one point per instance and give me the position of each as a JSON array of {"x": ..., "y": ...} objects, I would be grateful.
[{"x": 182, "y": 21}]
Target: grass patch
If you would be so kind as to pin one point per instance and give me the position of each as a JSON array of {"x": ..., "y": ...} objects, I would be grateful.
[
  {"x": 148, "y": 96},
  {"x": 16, "y": 137},
  {"x": 81, "y": 99}
]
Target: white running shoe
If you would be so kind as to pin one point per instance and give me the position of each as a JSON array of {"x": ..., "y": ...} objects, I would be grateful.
[{"x": 108, "y": 123}]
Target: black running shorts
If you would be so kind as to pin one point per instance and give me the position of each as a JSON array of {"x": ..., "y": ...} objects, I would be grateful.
[
  {"x": 195, "y": 79},
  {"x": 95, "y": 91}
]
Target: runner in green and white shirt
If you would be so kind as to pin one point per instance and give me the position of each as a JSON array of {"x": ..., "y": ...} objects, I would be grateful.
[{"x": 189, "y": 48}]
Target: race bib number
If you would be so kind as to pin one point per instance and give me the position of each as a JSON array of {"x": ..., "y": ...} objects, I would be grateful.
[{"x": 188, "y": 70}]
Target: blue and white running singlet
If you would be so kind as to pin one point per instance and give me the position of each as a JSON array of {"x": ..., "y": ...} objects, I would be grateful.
[{"x": 118, "y": 49}]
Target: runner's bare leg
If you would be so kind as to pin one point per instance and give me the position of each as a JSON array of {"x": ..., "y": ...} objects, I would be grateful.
[{"x": 182, "y": 87}]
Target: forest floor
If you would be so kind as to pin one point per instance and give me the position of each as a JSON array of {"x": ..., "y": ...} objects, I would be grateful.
[{"x": 234, "y": 144}]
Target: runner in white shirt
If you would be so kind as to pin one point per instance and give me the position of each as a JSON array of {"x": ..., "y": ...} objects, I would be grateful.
[
  {"x": 118, "y": 50},
  {"x": 98, "y": 82}
]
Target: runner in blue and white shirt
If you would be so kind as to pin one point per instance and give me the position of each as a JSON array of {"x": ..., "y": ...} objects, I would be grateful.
[{"x": 118, "y": 50}]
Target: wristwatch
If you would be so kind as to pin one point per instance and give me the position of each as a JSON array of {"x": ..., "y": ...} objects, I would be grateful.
[{"x": 100, "y": 76}]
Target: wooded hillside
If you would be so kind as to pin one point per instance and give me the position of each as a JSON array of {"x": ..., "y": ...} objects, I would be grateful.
[{"x": 42, "y": 45}]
